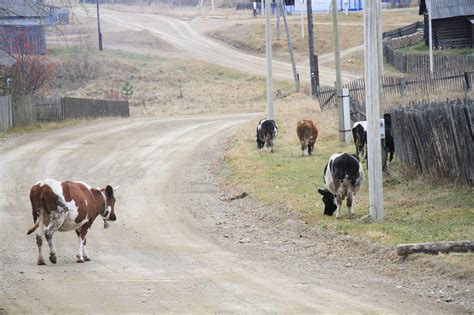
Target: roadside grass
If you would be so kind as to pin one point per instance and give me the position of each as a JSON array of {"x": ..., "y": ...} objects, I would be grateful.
[
  {"x": 40, "y": 127},
  {"x": 422, "y": 48},
  {"x": 417, "y": 209},
  {"x": 165, "y": 86}
]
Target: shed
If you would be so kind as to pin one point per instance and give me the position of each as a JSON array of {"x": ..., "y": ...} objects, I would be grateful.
[
  {"x": 22, "y": 24},
  {"x": 452, "y": 25}
]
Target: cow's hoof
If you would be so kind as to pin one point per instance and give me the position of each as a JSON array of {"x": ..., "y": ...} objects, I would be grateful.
[
  {"x": 79, "y": 259},
  {"x": 52, "y": 258},
  {"x": 338, "y": 217},
  {"x": 86, "y": 258},
  {"x": 41, "y": 263}
]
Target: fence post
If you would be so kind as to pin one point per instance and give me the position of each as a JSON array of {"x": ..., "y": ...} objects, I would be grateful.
[{"x": 402, "y": 86}]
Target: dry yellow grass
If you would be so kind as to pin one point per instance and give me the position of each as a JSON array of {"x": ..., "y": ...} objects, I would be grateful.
[
  {"x": 166, "y": 86},
  {"x": 417, "y": 209},
  {"x": 249, "y": 34}
]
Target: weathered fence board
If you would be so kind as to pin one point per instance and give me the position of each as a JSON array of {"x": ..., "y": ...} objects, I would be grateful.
[
  {"x": 80, "y": 107},
  {"x": 22, "y": 110},
  {"x": 6, "y": 113},
  {"x": 436, "y": 138}
]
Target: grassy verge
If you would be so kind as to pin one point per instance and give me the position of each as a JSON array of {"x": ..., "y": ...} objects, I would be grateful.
[
  {"x": 416, "y": 209},
  {"x": 422, "y": 48}
]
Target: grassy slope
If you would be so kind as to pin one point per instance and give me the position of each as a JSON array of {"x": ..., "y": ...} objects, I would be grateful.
[
  {"x": 250, "y": 35},
  {"x": 416, "y": 209},
  {"x": 166, "y": 86}
]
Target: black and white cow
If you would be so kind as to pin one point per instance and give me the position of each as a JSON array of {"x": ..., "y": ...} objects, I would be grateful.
[
  {"x": 267, "y": 131},
  {"x": 343, "y": 176},
  {"x": 389, "y": 143},
  {"x": 359, "y": 133}
]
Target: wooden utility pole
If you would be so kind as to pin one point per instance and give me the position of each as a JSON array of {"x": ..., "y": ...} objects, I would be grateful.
[
  {"x": 268, "y": 44},
  {"x": 372, "y": 92},
  {"x": 380, "y": 41},
  {"x": 430, "y": 36},
  {"x": 337, "y": 57},
  {"x": 281, "y": 5},
  {"x": 313, "y": 58},
  {"x": 278, "y": 19},
  {"x": 302, "y": 24},
  {"x": 98, "y": 26}
]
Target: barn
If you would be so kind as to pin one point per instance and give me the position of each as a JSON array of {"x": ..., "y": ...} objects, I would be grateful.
[
  {"x": 22, "y": 26},
  {"x": 452, "y": 23}
]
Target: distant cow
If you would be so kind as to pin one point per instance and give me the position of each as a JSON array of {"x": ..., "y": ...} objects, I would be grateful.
[
  {"x": 307, "y": 134},
  {"x": 359, "y": 133},
  {"x": 67, "y": 206},
  {"x": 267, "y": 131},
  {"x": 343, "y": 176},
  {"x": 389, "y": 143}
]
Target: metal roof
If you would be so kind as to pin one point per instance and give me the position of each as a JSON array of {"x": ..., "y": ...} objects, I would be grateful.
[
  {"x": 23, "y": 8},
  {"x": 441, "y": 9},
  {"x": 6, "y": 59}
]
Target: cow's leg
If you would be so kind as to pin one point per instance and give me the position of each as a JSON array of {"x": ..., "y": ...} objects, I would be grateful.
[
  {"x": 39, "y": 239},
  {"x": 339, "y": 198},
  {"x": 84, "y": 251},
  {"x": 81, "y": 255},
  {"x": 310, "y": 148},
  {"x": 270, "y": 145},
  {"x": 80, "y": 250},
  {"x": 56, "y": 219},
  {"x": 303, "y": 149},
  {"x": 350, "y": 200},
  {"x": 52, "y": 249}
]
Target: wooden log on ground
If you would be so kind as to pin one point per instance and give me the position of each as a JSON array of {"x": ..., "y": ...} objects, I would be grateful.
[{"x": 435, "y": 248}]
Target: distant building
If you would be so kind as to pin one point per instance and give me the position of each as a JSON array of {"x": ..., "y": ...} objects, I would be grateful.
[
  {"x": 22, "y": 24},
  {"x": 452, "y": 23}
]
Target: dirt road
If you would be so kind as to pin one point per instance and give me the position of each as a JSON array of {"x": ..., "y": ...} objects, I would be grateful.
[
  {"x": 165, "y": 252},
  {"x": 190, "y": 42}
]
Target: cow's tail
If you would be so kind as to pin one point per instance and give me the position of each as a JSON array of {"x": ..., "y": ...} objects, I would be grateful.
[{"x": 33, "y": 228}]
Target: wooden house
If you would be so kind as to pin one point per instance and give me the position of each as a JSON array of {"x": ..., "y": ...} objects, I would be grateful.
[
  {"x": 452, "y": 23},
  {"x": 6, "y": 62},
  {"x": 22, "y": 26}
]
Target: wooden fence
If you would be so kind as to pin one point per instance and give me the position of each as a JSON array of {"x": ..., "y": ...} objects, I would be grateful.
[
  {"x": 6, "y": 113},
  {"x": 83, "y": 107},
  {"x": 437, "y": 138},
  {"x": 416, "y": 63},
  {"x": 22, "y": 110},
  {"x": 413, "y": 84},
  {"x": 403, "y": 31},
  {"x": 69, "y": 107}
]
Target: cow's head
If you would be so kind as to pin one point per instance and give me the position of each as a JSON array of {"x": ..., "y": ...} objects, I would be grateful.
[
  {"x": 330, "y": 203},
  {"x": 109, "y": 213}
]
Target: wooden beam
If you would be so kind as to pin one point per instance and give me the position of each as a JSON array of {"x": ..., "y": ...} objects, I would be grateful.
[{"x": 435, "y": 248}]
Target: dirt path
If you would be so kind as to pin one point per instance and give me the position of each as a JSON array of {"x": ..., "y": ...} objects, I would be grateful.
[
  {"x": 166, "y": 252},
  {"x": 189, "y": 40}
]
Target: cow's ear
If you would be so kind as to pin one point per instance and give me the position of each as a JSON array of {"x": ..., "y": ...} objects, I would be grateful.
[
  {"x": 321, "y": 191},
  {"x": 109, "y": 191}
]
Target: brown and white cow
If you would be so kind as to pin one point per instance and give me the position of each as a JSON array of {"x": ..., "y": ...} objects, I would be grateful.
[
  {"x": 67, "y": 206},
  {"x": 307, "y": 134}
]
